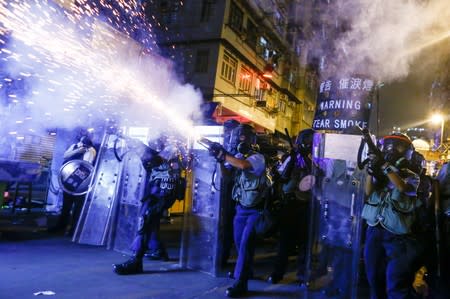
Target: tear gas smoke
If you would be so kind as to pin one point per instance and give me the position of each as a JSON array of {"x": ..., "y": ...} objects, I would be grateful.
[
  {"x": 382, "y": 38},
  {"x": 71, "y": 68}
]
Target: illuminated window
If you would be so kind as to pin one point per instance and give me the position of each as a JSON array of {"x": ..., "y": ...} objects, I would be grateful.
[
  {"x": 245, "y": 79},
  {"x": 236, "y": 18},
  {"x": 266, "y": 50},
  {"x": 229, "y": 67}
]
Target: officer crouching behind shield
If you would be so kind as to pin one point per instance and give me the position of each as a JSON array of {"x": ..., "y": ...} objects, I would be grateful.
[
  {"x": 250, "y": 175},
  {"x": 164, "y": 186},
  {"x": 390, "y": 250},
  {"x": 82, "y": 150}
]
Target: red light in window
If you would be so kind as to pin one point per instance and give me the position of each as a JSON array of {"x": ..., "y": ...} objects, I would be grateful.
[{"x": 268, "y": 70}]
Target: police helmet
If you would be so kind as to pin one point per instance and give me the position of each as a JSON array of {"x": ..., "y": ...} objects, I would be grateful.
[
  {"x": 243, "y": 138},
  {"x": 245, "y": 133},
  {"x": 158, "y": 144},
  {"x": 396, "y": 142},
  {"x": 230, "y": 141},
  {"x": 396, "y": 146},
  {"x": 86, "y": 141},
  {"x": 169, "y": 152},
  {"x": 304, "y": 138},
  {"x": 230, "y": 124}
]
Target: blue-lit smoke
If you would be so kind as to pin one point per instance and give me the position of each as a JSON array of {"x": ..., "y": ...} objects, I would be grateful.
[{"x": 72, "y": 67}]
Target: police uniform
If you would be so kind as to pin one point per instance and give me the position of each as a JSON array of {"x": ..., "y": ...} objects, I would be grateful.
[
  {"x": 163, "y": 188},
  {"x": 82, "y": 150},
  {"x": 389, "y": 251},
  {"x": 247, "y": 211}
]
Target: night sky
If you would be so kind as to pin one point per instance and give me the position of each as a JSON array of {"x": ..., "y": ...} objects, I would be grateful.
[{"x": 404, "y": 103}]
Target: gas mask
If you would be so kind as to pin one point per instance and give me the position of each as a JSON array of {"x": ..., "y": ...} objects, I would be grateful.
[
  {"x": 304, "y": 141},
  {"x": 305, "y": 149},
  {"x": 244, "y": 148},
  {"x": 243, "y": 139},
  {"x": 397, "y": 150}
]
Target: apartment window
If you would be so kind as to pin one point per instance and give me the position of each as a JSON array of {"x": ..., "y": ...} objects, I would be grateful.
[
  {"x": 245, "y": 80},
  {"x": 229, "y": 67},
  {"x": 207, "y": 10},
  {"x": 236, "y": 17},
  {"x": 252, "y": 35},
  {"x": 265, "y": 50},
  {"x": 202, "y": 61}
]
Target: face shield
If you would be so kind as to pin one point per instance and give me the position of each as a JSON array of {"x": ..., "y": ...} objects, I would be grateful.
[
  {"x": 244, "y": 138},
  {"x": 169, "y": 153}
]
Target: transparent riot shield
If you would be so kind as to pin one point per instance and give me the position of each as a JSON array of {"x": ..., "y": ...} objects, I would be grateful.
[
  {"x": 334, "y": 249},
  {"x": 94, "y": 222},
  {"x": 202, "y": 233},
  {"x": 125, "y": 216}
]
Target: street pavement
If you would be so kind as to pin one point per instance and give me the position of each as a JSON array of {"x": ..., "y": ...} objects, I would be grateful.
[{"x": 33, "y": 262}]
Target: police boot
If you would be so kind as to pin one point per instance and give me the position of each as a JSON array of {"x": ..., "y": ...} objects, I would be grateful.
[
  {"x": 158, "y": 254},
  {"x": 132, "y": 266},
  {"x": 239, "y": 289}
]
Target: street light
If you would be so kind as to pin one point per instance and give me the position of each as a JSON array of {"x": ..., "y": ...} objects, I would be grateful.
[{"x": 437, "y": 118}]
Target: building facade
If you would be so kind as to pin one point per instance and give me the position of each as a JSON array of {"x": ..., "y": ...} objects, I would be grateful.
[{"x": 247, "y": 58}]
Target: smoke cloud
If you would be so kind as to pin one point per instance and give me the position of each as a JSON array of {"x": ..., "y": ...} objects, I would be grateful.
[
  {"x": 67, "y": 69},
  {"x": 381, "y": 38}
]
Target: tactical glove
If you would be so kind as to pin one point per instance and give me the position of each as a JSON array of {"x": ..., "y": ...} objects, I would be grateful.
[
  {"x": 374, "y": 165},
  {"x": 217, "y": 151}
]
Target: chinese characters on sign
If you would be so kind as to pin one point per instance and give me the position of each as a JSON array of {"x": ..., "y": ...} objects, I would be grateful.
[{"x": 343, "y": 103}]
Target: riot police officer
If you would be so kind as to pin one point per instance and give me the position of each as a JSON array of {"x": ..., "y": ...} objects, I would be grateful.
[
  {"x": 389, "y": 211},
  {"x": 229, "y": 206},
  {"x": 164, "y": 186},
  {"x": 82, "y": 150},
  {"x": 294, "y": 173},
  {"x": 247, "y": 192}
]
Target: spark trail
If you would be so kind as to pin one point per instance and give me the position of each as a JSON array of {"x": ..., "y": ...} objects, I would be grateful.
[{"x": 82, "y": 68}]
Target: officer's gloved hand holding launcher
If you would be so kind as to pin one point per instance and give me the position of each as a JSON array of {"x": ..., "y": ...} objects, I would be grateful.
[
  {"x": 391, "y": 189},
  {"x": 249, "y": 170},
  {"x": 217, "y": 151}
]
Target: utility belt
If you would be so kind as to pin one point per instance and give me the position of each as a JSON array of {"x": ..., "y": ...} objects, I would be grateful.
[{"x": 259, "y": 206}]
